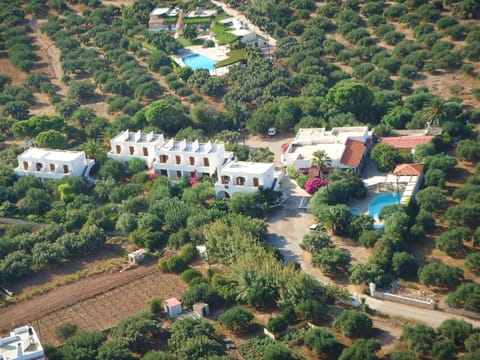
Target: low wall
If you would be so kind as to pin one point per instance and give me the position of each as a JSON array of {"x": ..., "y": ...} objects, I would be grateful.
[
  {"x": 404, "y": 300},
  {"x": 462, "y": 312}
]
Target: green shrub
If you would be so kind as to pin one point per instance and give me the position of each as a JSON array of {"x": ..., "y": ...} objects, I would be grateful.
[
  {"x": 468, "y": 68},
  {"x": 277, "y": 324},
  {"x": 188, "y": 253},
  {"x": 155, "y": 305},
  {"x": 476, "y": 93},
  {"x": 65, "y": 330},
  {"x": 190, "y": 274},
  {"x": 236, "y": 319}
]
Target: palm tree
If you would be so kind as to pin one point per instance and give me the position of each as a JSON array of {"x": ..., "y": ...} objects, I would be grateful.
[
  {"x": 237, "y": 112},
  {"x": 107, "y": 134},
  {"x": 436, "y": 112},
  {"x": 94, "y": 149},
  {"x": 320, "y": 160}
]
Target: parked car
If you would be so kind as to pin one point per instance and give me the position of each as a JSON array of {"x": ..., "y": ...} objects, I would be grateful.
[{"x": 313, "y": 227}]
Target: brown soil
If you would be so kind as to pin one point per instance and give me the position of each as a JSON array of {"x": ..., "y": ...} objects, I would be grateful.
[{"x": 95, "y": 302}]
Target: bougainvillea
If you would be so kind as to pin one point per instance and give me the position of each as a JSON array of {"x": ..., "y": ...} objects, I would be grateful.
[
  {"x": 313, "y": 184},
  {"x": 194, "y": 179}
]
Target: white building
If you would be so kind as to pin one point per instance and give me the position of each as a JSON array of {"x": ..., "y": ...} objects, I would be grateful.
[
  {"x": 243, "y": 176},
  {"x": 163, "y": 19},
  {"x": 173, "y": 307},
  {"x": 177, "y": 159},
  {"x": 21, "y": 344},
  {"x": 346, "y": 147},
  {"x": 240, "y": 28},
  {"x": 128, "y": 145},
  {"x": 202, "y": 13},
  {"x": 53, "y": 164}
]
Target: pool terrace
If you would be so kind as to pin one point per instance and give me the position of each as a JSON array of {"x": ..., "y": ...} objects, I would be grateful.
[{"x": 215, "y": 54}]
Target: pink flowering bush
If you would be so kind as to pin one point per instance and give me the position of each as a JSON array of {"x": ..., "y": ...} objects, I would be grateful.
[
  {"x": 313, "y": 184},
  {"x": 194, "y": 179}
]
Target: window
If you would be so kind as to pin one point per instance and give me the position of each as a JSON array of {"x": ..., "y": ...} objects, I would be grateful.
[
  {"x": 206, "y": 162},
  {"x": 163, "y": 159},
  {"x": 225, "y": 179},
  {"x": 192, "y": 160},
  {"x": 52, "y": 167},
  {"x": 131, "y": 149},
  {"x": 178, "y": 159},
  {"x": 163, "y": 172},
  {"x": 25, "y": 165},
  {"x": 118, "y": 148},
  {"x": 179, "y": 174},
  {"x": 240, "y": 181},
  {"x": 255, "y": 182},
  {"x": 39, "y": 166},
  {"x": 145, "y": 151},
  {"x": 66, "y": 169}
]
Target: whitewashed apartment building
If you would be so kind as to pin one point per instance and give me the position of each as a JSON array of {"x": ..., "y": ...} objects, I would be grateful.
[
  {"x": 53, "y": 164},
  {"x": 244, "y": 176},
  {"x": 177, "y": 159},
  {"x": 128, "y": 145}
]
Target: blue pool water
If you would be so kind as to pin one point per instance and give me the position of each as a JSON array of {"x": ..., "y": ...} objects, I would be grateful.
[
  {"x": 197, "y": 61},
  {"x": 382, "y": 200}
]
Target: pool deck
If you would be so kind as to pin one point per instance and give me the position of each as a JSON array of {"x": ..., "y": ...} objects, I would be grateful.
[
  {"x": 363, "y": 204},
  {"x": 217, "y": 53}
]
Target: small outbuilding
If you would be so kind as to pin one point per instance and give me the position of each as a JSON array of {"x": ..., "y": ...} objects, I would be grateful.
[
  {"x": 173, "y": 307},
  {"x": 137, "y": 256},
  {"x": 201, "y": 309}
]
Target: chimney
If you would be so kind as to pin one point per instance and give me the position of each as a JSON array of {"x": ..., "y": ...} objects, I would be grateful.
[{"x": 19, "y": 350}]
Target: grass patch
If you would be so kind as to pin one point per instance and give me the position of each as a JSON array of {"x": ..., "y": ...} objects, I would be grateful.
[
  {"x": 204, "y": 20},
  {"x": 233, "y": 57},
  {"x": 222, "y": 34},
  {"x": 171, "y": 20},
  {"x": 44, "y": 289},
  {"x": 186, "y": 42},
  {"x": 147, "y": 46},
  {"x": 221, "y": 16}
]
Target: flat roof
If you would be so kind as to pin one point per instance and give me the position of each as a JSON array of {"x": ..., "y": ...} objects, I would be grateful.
[
  {"x": 160, "y": 11},
  {"x": 202, "y": 13},
  {"x": 247, "y": 167},
  {"x": 22, "y": 343},
  {"x": 34, "y": 153},
  {"x": 172, "y": 302},
  {"x": 189, "y": 147},
  {"x": 334, "y": 151},
  {"x": 318, "y": 135}
]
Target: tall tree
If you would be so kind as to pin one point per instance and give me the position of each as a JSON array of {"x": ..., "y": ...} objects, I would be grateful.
[{"x": 320, "y": 160}]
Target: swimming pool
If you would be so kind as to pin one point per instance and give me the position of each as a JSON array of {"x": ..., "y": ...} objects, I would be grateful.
[
  {"x": 197, "y": 61},
  {"x": 382, "y": 200}
]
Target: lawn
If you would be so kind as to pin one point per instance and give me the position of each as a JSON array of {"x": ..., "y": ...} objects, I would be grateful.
[
  {"x": 222, "y": 34},
  {"x": 233, "y": 57}
]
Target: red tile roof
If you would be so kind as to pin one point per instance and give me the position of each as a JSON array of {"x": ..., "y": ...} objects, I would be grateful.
[
  {"x": 353, "y": 153},
  {"x": 406, "y": 142},
  {"x": 408, "y": 170}
]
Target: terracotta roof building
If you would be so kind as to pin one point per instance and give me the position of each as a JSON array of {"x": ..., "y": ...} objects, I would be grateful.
[
  {"x": 406, "y": 142},
  {"x": 346, "y": 147},
  {"x": 408, "y": 170},
  {"x": 354, "y": 153}
]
